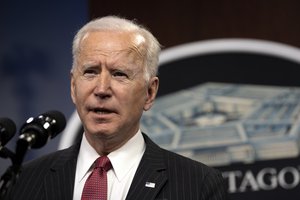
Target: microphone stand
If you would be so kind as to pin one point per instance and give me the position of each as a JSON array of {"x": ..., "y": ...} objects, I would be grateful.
[
  {"x": 6, "y": 153},
  {"x": 9, "y": 178},
  {"x": 35, "y": 133}
]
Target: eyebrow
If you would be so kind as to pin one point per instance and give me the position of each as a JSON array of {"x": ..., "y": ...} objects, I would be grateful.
[{"x": 90, "y": 64}]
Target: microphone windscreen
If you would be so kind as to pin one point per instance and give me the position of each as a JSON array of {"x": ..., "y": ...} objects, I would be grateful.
[
  {"x": 60, "y": 121},
  {"x": 7, "y": 130},
  {"x": 36, "y": 131}
]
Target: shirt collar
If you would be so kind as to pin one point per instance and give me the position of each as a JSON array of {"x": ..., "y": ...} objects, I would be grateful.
[
  {"x": 128, "y": 156},
  {"x": 86, "y": 157},
  {"x": 122, "y": 159}
]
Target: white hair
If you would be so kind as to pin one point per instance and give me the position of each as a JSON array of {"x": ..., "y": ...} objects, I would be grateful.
[{"x": 114, "y": 23}]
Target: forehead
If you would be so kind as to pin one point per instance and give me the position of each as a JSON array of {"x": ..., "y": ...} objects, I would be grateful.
[{"x": 113, "y": 42}]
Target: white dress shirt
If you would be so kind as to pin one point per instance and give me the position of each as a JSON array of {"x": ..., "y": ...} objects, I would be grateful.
[{"x": 124, "y": 160}]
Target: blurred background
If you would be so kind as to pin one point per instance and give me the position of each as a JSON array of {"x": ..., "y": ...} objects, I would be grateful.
[{"x": 35, "y": 60}]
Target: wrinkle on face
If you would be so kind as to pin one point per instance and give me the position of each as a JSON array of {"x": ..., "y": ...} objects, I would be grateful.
[
  {"x": 138, "y": 45},
  {"x": 128, "y": 55},
  {"x": 135, "y": 49},
  {"x": 103, "y": 58}
]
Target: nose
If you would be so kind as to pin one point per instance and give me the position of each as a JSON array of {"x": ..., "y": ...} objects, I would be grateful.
[{"x": 103, "y": 86}]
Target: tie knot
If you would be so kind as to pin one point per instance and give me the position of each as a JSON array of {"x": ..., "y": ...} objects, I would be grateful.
[{"x": 103, "y": 162}]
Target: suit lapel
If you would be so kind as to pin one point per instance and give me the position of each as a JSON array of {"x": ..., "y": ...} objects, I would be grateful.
[
  {"x": 147, "y": 183},
  {"x": 151, "y": 174},
  {"x": 59, "y": 182}
]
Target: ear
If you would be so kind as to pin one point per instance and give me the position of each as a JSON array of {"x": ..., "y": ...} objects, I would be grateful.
[
  {"x": 151, "y": 92},
  {"x": 73, "y": 88}
]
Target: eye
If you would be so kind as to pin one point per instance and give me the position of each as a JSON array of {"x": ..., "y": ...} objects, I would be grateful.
[
  {"x": 119, "y": 74},
  {"x": 90, "y": 73}
]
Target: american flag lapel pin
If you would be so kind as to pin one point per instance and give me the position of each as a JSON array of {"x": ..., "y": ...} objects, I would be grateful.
[{"x": 150, "y": 185}]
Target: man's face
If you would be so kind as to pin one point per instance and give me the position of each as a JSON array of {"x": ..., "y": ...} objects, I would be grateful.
[{"x": 108, "y": 86}]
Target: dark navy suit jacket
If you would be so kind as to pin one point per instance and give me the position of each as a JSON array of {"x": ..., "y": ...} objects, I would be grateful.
[{"x": 52, "y": 177}]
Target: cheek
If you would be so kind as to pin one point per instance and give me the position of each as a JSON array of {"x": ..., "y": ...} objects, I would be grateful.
[
  {"x": 80, "y": 91},
  {"x": 138, "y": 97}
]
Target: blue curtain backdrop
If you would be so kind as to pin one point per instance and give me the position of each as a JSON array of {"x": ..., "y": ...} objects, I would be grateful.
[{"x": 35, "y": 60}]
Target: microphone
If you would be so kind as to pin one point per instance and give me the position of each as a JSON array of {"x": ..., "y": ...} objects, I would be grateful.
[
  {"x": 37, "y": 131},
  {"x": 7, "y": 130}
]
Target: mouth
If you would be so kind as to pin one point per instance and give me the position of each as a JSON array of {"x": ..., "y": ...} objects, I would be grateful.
[{"x": 101, "y": 111}]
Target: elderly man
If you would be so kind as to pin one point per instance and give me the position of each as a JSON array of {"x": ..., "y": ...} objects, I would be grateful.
[{"x": 113, "y": 81}]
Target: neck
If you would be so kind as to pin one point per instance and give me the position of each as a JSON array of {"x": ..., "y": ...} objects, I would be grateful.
[{"x": 106, "y": 145}]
